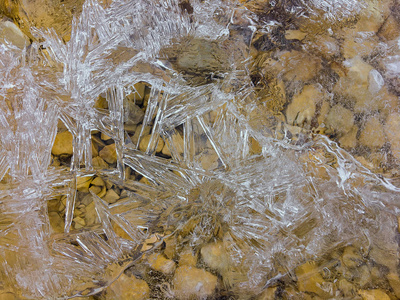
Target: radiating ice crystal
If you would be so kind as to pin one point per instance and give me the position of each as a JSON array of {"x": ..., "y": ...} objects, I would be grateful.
[{"x": 191, "y": 152}]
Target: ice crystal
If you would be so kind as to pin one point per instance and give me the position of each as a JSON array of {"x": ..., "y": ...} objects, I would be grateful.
[{"x": 294, "y": 199}]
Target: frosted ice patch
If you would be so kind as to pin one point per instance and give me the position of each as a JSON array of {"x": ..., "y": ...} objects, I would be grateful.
[{"x": 376, "y": 81}]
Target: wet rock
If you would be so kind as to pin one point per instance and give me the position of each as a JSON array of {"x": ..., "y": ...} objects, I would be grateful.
[
  {"x": 299, "y": 66},
  {"x": 128, "y": 288},
  {"x": 187, "y": 258},
  {"x": 347, "y": 288},
  {"x": 159, "y": 263},
  {"x": 373, "y": 135},
  {"x": 133, "y": 114},
  {"x": 79, "y": 222},
  {"x": 7, "y": 296},
  {"x": 11, "y": 34},
  {"x": 295, "y": 35},
  {"x": 390, "y": 29},
  {"x": 109, "y": 154},
  {"x": 83, "y": 183},
  {"x": 98, "y": 181},
  {"x": 394, "y": 281},
  {"x": 362, "y": 84},
  {"x": 351, "y": 257},
  {"x": 105, "y": 137},
  {"x": 56, "y": 222},
  {"x": 340, "y": 119},
  {"x": 373, "y": 295},
  {"x": 95, "y": 189},
  {"x": 144, "y": 142},
  {"x": 358, "y": 44},
  {"x": 138, "y": 94},
  {"x": 98, "y": 162},
  {"x": 111, "y": 196},
  {"x": 215, "y": 256},
  {"x": 91, "y": 214},
  {"x": 309, "y": 279},
  {"x": 302, "y": 109},
  {"x": 63, "y": 144},
  {"x": 393, "y": 134},
  {"x": 146, "y": 131},
  {"x": 268, "y": 294},
  {"x": 349, "y": 140},
  {"x": 190, "y": 282}
]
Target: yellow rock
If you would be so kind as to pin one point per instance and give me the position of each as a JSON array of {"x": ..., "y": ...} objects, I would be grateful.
[
  {"x": 7, "y": 296},
  {"x": 215, "y": 256},
  {"x": 159, "y": 263},
  {"x": 63, "y": 144},
  {"x": 373, "y": 135},
  {"x": 98, "y": 181},
  {"x": 299, "y": 66},
  {"x": 10, "y": 33},
  {"x": 187, "y": 258},
  {"x": 340, "y": 119},
  {"x": 128, "y": 288},
  {"x": 349, "y": 140},
  {"x": 351, "y": 258},
  {"x": 373, "y": 295},
  {"x": 144, "y": 142},
  {"x": 83, "y": 183},
  {"x": 393, "y": 133},
  {"x": 111, "y": 196},
  {"x": 302, "y": 109},
  {"x": 98, "y": 162},
  {"x": 138, "y": 94},
  {"x": 109, "y": 154},
  {"x": 95, "y": 189},
  {"x": 309, "y": 279},
  {"x": 295, "y": 35},
  {"x": 177, "y": 141},
  {"x": 394, "y": 282},
  {"x": 268, "y": 294},
  {"x": 390, "y": 29},
  {"x": 190, "y": 282}
]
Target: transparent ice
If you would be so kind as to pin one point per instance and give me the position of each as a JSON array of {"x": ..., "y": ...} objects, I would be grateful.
[{"x": 271, "y": 209}]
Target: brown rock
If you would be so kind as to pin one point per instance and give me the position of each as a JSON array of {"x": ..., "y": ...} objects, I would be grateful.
[
  {"x": 63, "y": 144},
  {"x": 98, "y": 162}
]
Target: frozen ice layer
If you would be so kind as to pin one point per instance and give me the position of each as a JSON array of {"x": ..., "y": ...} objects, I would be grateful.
[{"x": 193, "y": 149}]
